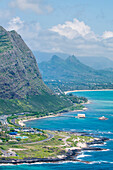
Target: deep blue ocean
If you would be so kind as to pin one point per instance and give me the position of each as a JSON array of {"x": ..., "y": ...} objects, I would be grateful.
[{"x": 101, "y": 105}]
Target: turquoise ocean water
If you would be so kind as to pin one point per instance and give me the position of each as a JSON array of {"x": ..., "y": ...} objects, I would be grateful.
[{"x": 101, "y": 105}]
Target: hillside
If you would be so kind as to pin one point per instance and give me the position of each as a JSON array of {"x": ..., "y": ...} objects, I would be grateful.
[
  {"x": 21, "y": 85},
  {"x": 97, "y": 63},
  {"x": 70, "y": 69},
  {"x": 72, "y": 74}
]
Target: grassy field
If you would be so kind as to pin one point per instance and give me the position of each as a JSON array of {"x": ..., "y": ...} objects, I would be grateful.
[{"x": 52, "y": 148}]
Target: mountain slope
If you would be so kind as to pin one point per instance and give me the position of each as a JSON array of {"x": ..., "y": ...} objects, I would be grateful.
[
  {"x": 98, "y": 63},
  {"x": 21, "y": 85},
  {"x": 70, "y": 69},
  {"x": 71, "y": 74},
  {"x": 19, "y": 72}
]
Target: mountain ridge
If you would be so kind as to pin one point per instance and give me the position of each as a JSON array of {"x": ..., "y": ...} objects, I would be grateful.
[
  {"x": 71, "y": 65},
  {"x": 18, "y": 68},
  {"x": 71, "y": 74},
  {"x": 97, "y": 63},
  {"x": 21, "y": 86}
]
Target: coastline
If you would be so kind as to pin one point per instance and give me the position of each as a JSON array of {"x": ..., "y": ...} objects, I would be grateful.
[
  {"x": 73, "y": 157},
  {"x": 66, "y": 92},
  {"x": 21, "y": 122},
  {"x": 69, "y": 157}
]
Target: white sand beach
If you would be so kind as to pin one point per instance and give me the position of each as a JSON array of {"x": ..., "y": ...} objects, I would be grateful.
[{"x": 66, "y": 92}]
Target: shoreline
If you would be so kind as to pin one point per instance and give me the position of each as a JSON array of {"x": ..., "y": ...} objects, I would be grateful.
[
  {"x": 69, "y": 157},
  {"x": 21, "y": 122},
  {"x": 66, "y": 92}
]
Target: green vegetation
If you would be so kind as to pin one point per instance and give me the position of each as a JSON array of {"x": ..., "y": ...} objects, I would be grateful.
[
  {"x": 29, "y": 137},
  {"x": 21, "y": 86},
  {"x": 76, "y": 99},
  {"x": 82, "y": 139},
  {"x": 74, "y": 85},
  {"x": 52, "y": 148},
  {"x": 40, "y": 103},
  {"x": 36, "y": 152},
  {"x": 79, "y": 107},
  {"x": 71, "y": 74},
  {"x": 5, "y": 43},
  {"x": 4, "y": 137}
]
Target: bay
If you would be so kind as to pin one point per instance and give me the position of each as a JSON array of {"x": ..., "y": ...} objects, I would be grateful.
[{"x": 101, "y": 105}]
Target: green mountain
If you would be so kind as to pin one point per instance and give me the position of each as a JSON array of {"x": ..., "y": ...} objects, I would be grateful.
[
  {"x": 21, "y": 85},
  {"x": 70, "y": 69},
  {"x": 19, "y": 73},
  {"x": 97, "y": 63},
  {"x": 71, "y": 74}
]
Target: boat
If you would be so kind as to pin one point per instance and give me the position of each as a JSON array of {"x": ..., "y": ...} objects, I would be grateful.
[{"x": 103, "y": 118}]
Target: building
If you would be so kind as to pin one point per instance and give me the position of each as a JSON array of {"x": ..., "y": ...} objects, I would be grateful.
[
  {"x": 13, "y": 133},
  {"x": 81, "y": 116}
]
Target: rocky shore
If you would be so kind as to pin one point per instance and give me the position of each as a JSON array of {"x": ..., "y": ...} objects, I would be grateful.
[{"x": 71, "y": 155}]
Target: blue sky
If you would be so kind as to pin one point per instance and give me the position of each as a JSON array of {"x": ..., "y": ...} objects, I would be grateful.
[{"x": 80, "y": 27}]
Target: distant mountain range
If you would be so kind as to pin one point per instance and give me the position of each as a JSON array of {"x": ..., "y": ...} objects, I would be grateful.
[
  {"x": 98, "y": 63},
  {"x": 72, "y": 71}
]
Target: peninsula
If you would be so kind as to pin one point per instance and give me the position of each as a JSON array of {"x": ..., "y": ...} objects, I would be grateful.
[{"x": 29, "y": 145}]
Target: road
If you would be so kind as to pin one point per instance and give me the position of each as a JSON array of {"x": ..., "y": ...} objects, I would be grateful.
[{"x": 50, "y": 136}]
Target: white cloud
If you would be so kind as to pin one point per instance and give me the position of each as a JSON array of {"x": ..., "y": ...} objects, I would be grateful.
[
  {"x": 15, "y": 24},
  {"x": 74, "y": 29},
  {"x": 80, "y": 40},
  {"x": 28, "y": 31},
  {"x": 38, "y": 6},
  {"x": 107, "y": 34}
]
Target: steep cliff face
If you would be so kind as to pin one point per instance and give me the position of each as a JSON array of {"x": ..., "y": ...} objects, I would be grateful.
[
  {"x": 19, "y": 73},
  {"x": 21, "y": 85}
]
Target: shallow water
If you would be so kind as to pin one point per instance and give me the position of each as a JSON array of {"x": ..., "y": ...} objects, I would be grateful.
[{"x": 101, "y": 105}]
